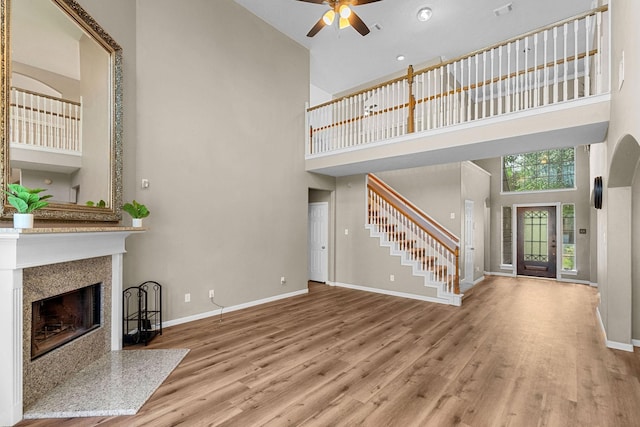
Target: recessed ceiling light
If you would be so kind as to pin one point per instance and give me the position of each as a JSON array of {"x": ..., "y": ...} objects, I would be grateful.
[
  {"x": 400, "y": 57},
  {"x": 424, "y": 14}
]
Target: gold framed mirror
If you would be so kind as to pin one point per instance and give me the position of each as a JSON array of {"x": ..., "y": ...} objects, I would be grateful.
[{"x": 61, "y": 110}]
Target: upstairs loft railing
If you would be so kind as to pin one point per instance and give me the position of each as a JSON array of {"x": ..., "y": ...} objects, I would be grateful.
[
  {"x": 434, "y": 249},
  {"x": 44, "y": 122},
  {"x": 560, "y": 62}
]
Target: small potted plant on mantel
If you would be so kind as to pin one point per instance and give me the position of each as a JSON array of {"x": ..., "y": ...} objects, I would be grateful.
[
  {"x": 137, "y": 212},
  {"x": 25, "y": 200}
]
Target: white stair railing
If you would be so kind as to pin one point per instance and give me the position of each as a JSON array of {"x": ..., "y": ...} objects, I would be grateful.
[
  {"x": 558, "y": 63},
  {"x": 433, "y": 249},
  {"x": 44, "y": 122}
]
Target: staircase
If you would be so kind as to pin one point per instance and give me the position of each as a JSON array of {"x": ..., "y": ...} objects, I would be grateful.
[{"x": 419, "y": 241}]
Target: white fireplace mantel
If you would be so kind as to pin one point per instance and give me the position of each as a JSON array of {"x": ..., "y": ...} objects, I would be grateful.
[{"x": 20, "y": 249}]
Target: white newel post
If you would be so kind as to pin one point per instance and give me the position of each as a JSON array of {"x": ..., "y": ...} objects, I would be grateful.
[{"x": 20, "y": 249}]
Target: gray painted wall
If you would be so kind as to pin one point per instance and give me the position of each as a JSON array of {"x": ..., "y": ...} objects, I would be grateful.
[
  {"x": 616, "y": 279},
  {"x": 216, "y": 125}
]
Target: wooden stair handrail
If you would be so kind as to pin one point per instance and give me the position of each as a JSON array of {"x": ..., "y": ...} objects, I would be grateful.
[
  {"x": 421, "y": 219},
  {"x": 413, "y": 72}
]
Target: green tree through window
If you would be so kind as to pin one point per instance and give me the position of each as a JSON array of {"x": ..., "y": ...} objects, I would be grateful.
[{"x": 540, "y": 170}]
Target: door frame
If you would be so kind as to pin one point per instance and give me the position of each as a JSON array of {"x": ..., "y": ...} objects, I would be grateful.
[
  {"x": 325, "y": 258},
  {"x": 514, "y": 234},
  {"x": 469, "y": 247}
]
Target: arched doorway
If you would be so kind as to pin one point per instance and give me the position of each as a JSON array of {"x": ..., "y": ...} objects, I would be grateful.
[{"x": 623, "y": 235}]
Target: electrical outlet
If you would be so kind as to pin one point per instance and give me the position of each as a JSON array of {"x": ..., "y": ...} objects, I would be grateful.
[
  {"x": 392, "y": 278},
  {"x": 283, "y": 280},
  {"x": 187, "y": 297},
  {"x": 211, "y": 293}
]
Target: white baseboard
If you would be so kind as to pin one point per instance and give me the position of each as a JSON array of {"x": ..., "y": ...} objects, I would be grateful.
[
  {"x": 593, "y": 285},
  {"x": 636, "y": 343},
  {"x": 232, "y": 308},
  {"x": 393, "y": 293},
  {"x": 491, "y": 273},
  {"x": 580, "y": 282},
  {"x": 613, "y": 344}
]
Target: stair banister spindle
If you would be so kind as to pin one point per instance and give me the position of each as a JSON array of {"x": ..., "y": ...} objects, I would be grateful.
[
  {"x": 484, "y": 88},
  {"x": 57, "y": 127},
  {"x": 499, "y": 82},
  {"x": 545, "y": 94},
  {"x": 525, "y": 90},
  {"x": 536, "y": 88},
  {"x": 555, "y": 65},
  {"x": 507, "y": 86},
  {"x": 587, "y": 60},
  {"x": 469, "y": 97},
  {"x": 599, "y": 54},
  {"x": 565, "y": 92},
  {"x": 343, "y": 121},
  {"x": 576, "y": 59},
  {"x": 491, "y": 72},
  {"x": 477, "y": 100},
  {"x": 519, "y": 82}
]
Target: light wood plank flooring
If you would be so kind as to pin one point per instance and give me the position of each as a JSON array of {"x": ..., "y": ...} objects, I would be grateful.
[{"x": 519, "y": 352}]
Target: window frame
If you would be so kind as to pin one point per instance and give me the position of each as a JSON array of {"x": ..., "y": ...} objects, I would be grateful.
[
  {"x": 575, "y": 174},
  {"x": 574, "y": 244}
]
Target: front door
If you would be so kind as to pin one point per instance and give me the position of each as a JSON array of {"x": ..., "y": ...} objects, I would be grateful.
[
  {"x": 537, "y": 241},
  {"x": 318, "y": 239}
]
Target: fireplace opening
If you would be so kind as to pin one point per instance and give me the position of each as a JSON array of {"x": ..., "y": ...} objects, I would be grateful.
[{"x": 61, "y": 319}]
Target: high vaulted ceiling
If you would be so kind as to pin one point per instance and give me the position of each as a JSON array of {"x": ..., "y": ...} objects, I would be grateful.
[{"x": 343, "y": 59}]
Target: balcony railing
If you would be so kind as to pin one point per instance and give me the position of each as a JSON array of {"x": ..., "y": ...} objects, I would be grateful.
[
  {"x": 559, "y": 63},
  {"x": 44, "y": 122}
]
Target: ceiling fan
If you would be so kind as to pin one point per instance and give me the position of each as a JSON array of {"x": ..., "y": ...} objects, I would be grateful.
[{"x": 340, "y": 9}]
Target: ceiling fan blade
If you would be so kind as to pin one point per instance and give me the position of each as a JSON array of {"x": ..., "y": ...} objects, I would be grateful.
[
  {"x": 361, "y": 2},
  {"x": 316, "y": 1},
  {"x": 319, "y": 25},
  {"x": 358, "y": 24}
]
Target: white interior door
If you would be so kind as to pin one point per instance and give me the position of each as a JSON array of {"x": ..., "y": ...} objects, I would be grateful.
[
  {"x": 318, "y": 238},
  {"x": 469, "y": 249}
]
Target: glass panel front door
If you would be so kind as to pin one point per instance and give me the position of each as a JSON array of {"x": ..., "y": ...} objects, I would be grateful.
[{"x": 537, "y": 241}]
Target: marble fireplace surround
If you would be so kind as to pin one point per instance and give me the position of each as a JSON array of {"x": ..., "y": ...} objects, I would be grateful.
[{"x": 58, "y": 249}]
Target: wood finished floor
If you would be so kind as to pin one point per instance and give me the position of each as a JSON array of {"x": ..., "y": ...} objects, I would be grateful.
[{"x": 519, "y": 352}]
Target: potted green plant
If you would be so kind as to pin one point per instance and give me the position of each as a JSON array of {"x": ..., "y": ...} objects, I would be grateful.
[
  {"x": 137, "y": 212},
  {"x": 25, "y": 200}
]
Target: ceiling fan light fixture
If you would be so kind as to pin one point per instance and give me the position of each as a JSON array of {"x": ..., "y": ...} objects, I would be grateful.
[
  {"x": 424, "y": 14},
  {"x": 328, "y": 17},
  {"x": 344, "y": 23},
  {"x": 345, "y": 11}
]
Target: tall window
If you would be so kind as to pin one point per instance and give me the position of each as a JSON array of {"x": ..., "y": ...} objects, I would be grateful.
[
  {"x": 507, "y": 242},
  {"x": 539, "y": 171},
  {"x": 568, "y": 237}
]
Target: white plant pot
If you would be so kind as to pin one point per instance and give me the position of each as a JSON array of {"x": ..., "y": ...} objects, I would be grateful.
[
  {"x": 22, "y": 220},
  {"x": 136, "y": 222}
]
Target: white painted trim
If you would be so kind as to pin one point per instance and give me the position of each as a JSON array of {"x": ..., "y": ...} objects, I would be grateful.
[
  {"x": 396, "y": 293},
  {"x": 612, "y": 344},
  {"x": 593, "y": 284},
  {"x": 217, "y": 312},
  {"x": 508, "y": 267},
  {"x": 636, "y": 343},
  {"x": 579, "y": 282},
  {"x": 494, "y": 273}
]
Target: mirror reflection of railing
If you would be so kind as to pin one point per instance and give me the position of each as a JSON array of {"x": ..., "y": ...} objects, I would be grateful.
[
  {"x": 44, "y": 122},
  {"x": 561, "y": 62}
]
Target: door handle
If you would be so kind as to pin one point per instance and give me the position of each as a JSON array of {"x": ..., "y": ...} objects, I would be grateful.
[{"x": 323, "y": 247}]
